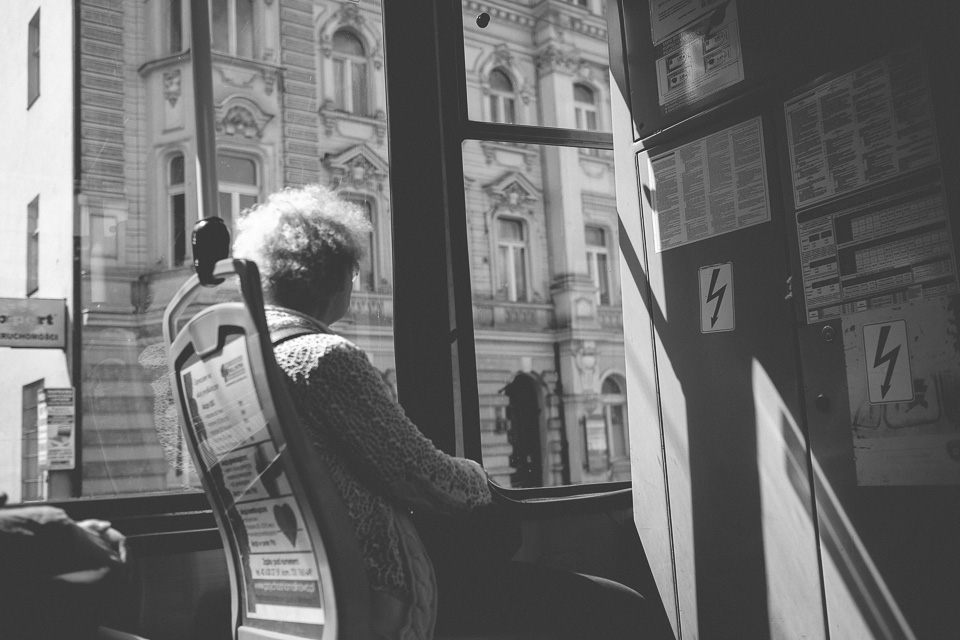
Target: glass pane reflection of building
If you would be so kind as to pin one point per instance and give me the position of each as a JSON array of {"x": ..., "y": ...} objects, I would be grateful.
[{"x": 296, "y": 104}]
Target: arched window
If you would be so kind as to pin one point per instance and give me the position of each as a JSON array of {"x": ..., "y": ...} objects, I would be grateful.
[
  {"x": 503, "y": 103},
  {"x": 350, "y": 73},
  {"x": 614, "y": 401},
  {"x": 585, "y": 107},
  {"x": 239, "y": 184},
  {"x": 177, "y": 202},
  {"x": 511, "y": 281},
  {"x": 231, "y": 27},
  {"x": 598, "y": 262}
]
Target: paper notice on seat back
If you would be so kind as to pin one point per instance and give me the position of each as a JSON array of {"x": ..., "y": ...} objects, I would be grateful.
[{"x": 222, "y": 402}]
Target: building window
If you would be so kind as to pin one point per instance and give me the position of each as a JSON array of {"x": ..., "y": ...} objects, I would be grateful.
[
  {"x": 31, "y": 479},
  {"x": 231, "y": 23},
  {"x": 585, "y": 107},
  {"x": 239, "y": 185},
  {"x": 511, "y": 260},
  {"x": 614, "y": 401},
  {"x": 350, "y": 73},
  {"x": 367, "y": 279},
  {"x": 177, "y": 198},
  {"x": 33, "y": 59},
  {"x": 175, "y": 26},
  {"x": 598, "y": 262},
  {"x": 33, "y": 246},
  {"x": 503, "y": 103}
]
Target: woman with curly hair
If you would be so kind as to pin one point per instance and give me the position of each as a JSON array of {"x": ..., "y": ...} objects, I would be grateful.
[{"x": 308, "y": 244}]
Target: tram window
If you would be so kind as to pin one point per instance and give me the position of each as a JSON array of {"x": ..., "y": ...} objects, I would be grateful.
[
  {"x": 526, "y": 68},
  {"x": 548, "y": 328},
  {"x": 137, "y": 204}
]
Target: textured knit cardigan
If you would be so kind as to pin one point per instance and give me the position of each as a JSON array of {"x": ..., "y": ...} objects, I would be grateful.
[{"x": 382, "y": 465}]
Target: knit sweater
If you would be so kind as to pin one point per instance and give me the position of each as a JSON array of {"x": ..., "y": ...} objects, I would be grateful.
[{"x": 381, "y": 464}]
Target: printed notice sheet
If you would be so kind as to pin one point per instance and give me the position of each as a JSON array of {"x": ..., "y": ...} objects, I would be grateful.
[
  {"x": 699, "y": 60},
  {"x": 223, "y": 401},
  {"x": 864, "y": 127},
  {"x": 667, "y": 16},
  {"x": 877, "y": 254},
  {"x": 281, "y": 569},
  {"x": 708, "y": 187}
]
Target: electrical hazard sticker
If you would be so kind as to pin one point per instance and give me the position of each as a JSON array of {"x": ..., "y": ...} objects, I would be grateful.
[
  {"x": 716, "y": 298},
  {"x": 888, "y": 362}
]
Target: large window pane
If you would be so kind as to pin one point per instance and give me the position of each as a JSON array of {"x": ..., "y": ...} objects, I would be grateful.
[
  {"x": 547, "y": 314},
  {"x": 527, "y": 67}
]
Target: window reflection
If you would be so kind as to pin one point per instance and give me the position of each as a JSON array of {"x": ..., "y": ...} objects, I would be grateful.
[
  {"x": 547, "y": 316},
  {"x": 274, "y": 86},
  {"x": 544, "y": 65}
]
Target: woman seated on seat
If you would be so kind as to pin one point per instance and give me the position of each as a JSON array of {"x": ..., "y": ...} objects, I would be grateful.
[{"x": 308, "y": 244}]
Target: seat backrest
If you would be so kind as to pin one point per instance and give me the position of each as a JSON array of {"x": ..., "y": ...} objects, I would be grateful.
[{"x": 295, "y": 566}]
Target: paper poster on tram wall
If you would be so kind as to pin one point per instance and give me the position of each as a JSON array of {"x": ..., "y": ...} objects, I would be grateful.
[
  {"x": 903, "y": 379},
  {"x": 861, "y": 128},
  {"x": 708, "y": 187},
  {"x": 667, "y": 16},
  {"x": 699, "y": 60},
  {"x": 877, "y": 253},
  {"x": 223, "y": 402}
]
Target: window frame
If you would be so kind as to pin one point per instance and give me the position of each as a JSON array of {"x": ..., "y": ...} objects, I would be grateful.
[
  {"x": 343, "y": 84},
  {"x": 33, "y": 247},
  {"x": 33, "y": 59},
  {"x": 177, "y": 190},
  {"x": 498, "y": 99},
  {"x": 583, "y": 110},
  {"x": 233, "y": 37},
  {"x": 593, "y": 264},
  {"x": 511, "y": 247},
  {"x": 31, "y": 392},
  {"x": 435, "y": 344},
  {"x": 236, "y": 190}
]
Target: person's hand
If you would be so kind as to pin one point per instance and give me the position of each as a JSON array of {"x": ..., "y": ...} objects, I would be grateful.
[{"x": 102, "y": 528}]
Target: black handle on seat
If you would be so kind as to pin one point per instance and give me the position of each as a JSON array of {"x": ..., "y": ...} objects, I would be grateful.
[{"x": 211, "y": 243}]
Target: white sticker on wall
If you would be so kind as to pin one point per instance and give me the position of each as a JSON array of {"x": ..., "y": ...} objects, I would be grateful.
[
  {"x": 888, "y": 362},
  {"x": 716, "y": 298}
]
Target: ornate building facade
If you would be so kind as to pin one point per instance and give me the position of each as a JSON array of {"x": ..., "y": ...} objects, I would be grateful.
[{"x": 300, "y": 97}]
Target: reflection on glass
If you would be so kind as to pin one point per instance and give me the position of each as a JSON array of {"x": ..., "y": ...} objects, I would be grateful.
[
  {"x": 539, "y": 64},
  {"x": 547, "y": 313},
  {"x": 275, "y": 126}
]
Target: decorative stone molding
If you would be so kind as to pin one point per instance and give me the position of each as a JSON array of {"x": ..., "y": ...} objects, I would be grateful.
[
  {"x": 359, "y": 168},
  {"x": 554, "y": 59},
  {"x": 171, "y": 86},
  {"x": 491, "y": 148},
  {"x": 238, "y": 115},
  {"x": 513, "y": 190}
]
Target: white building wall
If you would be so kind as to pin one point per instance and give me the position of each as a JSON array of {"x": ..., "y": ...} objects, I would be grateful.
[{"x": 37, "y": 160}]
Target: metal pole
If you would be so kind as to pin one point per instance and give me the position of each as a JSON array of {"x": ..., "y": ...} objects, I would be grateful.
[{"x": 200, "y": 53}]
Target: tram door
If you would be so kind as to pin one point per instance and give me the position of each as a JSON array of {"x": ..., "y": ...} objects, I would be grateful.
[{"x": 786, "y": 183}]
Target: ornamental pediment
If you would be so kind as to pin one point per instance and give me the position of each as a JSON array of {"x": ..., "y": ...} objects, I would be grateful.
[
  {"x": 241, "y": 116},
  {"x": 358, "y": 166},
  {"x": 513, "y": 189}
]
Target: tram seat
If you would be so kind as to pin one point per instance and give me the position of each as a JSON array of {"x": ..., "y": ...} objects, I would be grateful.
[{"x": 294, "y": 563}]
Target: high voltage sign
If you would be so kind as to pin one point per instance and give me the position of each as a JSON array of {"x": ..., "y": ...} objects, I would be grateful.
[{"x": 716, "y": 298}]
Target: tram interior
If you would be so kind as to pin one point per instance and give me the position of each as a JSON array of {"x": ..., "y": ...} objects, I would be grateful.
[{"x": 680, "y": 275}]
